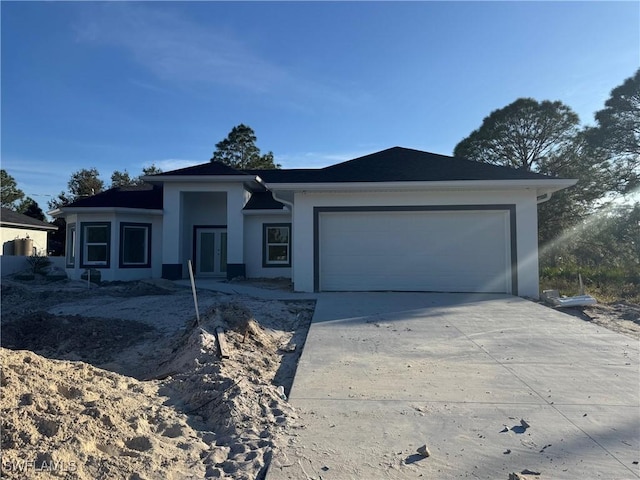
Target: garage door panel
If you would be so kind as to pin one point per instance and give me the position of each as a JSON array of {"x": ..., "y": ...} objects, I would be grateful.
[
  {"x": 377, "y": 243},
  {"x": 415, "y": 282},
  {"x": 424, "y": 250}
]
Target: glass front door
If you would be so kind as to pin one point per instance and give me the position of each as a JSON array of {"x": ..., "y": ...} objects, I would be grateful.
[{"x": 211, "y": 251}]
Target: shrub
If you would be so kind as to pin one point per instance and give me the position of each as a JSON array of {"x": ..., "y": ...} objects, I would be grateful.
[
  {"x": 605, "y": 283},
  {"x": 38, "y": 263}
]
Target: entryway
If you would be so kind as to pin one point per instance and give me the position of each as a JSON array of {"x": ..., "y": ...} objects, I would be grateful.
[{"x": 210, "y": 251}]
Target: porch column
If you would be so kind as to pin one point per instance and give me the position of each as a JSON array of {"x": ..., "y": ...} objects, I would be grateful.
[
  {"x": 171, "y": 233},
  {"x": 235, "y": 232}
]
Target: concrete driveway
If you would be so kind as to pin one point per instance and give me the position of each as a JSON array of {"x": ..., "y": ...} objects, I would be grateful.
[{"x": 384, "y": 373}]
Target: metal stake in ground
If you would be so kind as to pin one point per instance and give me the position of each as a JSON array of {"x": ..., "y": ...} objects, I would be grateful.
[{"x": 193, "y": 290}]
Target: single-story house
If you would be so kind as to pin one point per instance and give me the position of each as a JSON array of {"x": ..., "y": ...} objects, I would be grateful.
[
  {"x": 23, "y": 235},
  {"x": 398, "y": 219}
]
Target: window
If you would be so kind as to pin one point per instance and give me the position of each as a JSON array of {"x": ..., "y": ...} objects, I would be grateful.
[
  {"x": 135, "y": 245},
  {"x": 276, "y": 239},
  {"x": 96, "y": 241},
  {"x": 71, "y": 245}
]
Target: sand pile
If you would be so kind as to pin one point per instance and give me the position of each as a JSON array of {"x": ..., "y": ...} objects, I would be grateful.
[
  {"x": 234, "y": 399},
  {"x": 191, "y": 414},
  {"x": 71, "y": 420}
]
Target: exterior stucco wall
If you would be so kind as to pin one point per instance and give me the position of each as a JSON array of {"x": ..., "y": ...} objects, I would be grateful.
[
  {"x": 190, "y": 204},
  {"x": 253, "y": 245},
  {"x": 9, "y": 234},
  {"x": 113, "y": 272},
  {"x": 201, "y": 209},
  {"x": 526, "y": 224}
]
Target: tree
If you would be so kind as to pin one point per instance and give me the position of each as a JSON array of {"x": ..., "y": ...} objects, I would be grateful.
[
  {"x": 85, "y": 183},
  {"x": 58, "y": 238},
  {"x": 123, "y": 179},
  {"x": 151, "y": 170},
  {"x": 30, "y": 208},
  {"x": 608, "y": 239},
  {"x": 60, "y": 201},
  {"x": 239, "y": 150},
  {"x": 543, "y": 137},
  {"x": 570, "y": 206},
  {"x": 524, "y": 134},
  {"x": 617, "y": 133},
  {"x": 9, "y": 191}
]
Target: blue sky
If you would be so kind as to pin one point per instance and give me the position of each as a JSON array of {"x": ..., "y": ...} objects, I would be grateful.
[{"x": 122, "y": 85}]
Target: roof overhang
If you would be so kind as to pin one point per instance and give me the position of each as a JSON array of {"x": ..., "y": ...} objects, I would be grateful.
[
  {"x": 25, "y": 226},
  {"x": 542, "y": 187},
  {"x": 157, "y": 180},
  {"x": 61, "y": 212},
  {"x": 269, "y": 211}
]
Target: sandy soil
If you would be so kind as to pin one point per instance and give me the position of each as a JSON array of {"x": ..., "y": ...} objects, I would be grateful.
[
  {"x": 120, "y": 382},
  {"x": 621, "y": 316}
]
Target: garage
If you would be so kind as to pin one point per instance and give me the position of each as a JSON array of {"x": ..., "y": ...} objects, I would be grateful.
[{"x": 439, "y": 249}]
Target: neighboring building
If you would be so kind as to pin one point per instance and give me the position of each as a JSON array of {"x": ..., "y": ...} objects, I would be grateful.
[
  {"x": 23, "y": 235},
  {"x": 399, "y": 219}
]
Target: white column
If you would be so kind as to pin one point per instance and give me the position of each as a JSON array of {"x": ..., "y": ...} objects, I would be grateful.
[
  {"x": 235, "y": 225},
  {"x": 302, "y": 236},
  {"x": 171, "y": 228},
  {"x": 527, "y": 222}
]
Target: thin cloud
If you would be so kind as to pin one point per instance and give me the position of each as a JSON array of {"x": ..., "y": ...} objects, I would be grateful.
[
  {"x": 28, "y": 169},
  {"x": 180, "y": 51},
  {"x": 175, "y": 49},
  {"x": 38, "y": 179}
]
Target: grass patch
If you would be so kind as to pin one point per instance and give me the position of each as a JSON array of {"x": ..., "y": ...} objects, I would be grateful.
[{"x": 605, "y": 284}]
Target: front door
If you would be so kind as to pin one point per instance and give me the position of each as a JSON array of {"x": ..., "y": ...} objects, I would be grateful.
[{"x": 211, "y": 251}]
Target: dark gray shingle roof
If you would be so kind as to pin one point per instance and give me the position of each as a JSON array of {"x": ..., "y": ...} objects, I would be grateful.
[
  {"x": 210, "y": 168},
  {"x": 399, "y": 164},
  {"x": 18, "y": 219},
  {"x": 395, "y": 164},
  {"x": 143, "y": 196},
  {"x": 263, "y": 201}
]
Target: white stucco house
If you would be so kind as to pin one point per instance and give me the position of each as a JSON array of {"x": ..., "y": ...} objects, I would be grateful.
[
  {"x": 399, "y": 219},
  {"x": 23, "y": 235}
]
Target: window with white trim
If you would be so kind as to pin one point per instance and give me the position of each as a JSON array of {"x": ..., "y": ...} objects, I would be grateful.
[
  {"x": 135, "y": 245},
  {"x": 71, "y": 245},
  {"x": 96, "y": 242},
  {"x": 277, "y": 245}
]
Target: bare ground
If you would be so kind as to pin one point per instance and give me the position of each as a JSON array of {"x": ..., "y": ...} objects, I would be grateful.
[
  {"x": 120, "y": 382},
  {"x": 621, "y": 316}
]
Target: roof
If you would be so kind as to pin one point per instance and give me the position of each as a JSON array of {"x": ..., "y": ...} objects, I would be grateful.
[
  {"x": 399, "y": 164},
  {"x": 396, "y": 164},
  {"x": 393, "y": 165},
  {"x": 143, "y": 196},
  {"x": 9, "y": 218},
  {"x": 263, "y": 201},
  {"x": 209, "y": 168}
]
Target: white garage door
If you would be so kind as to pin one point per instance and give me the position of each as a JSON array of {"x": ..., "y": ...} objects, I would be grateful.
[{"x": 442, "y": 251}]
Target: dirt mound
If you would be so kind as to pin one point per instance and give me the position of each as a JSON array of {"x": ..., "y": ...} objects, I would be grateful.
[
  {"x": 195, "y": 416},
  {"x": 235, "y": 398},
  {"x": 77, "y": 421}
]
